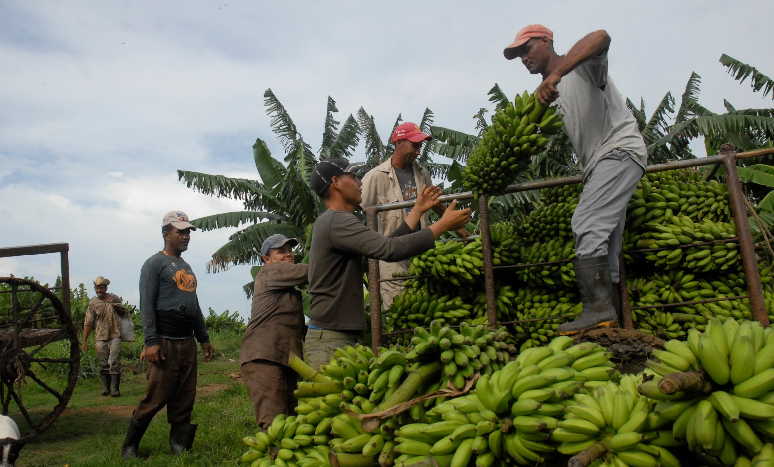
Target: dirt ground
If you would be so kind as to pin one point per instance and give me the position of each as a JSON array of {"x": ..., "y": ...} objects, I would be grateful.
[{"x": 630, "y": 348}]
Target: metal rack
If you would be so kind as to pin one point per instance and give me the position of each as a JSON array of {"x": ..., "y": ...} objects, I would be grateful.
[{"x": 738, "y": 211}]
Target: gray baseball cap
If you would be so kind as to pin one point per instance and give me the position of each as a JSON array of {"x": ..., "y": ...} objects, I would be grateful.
[{"x": 276, "y": 241}]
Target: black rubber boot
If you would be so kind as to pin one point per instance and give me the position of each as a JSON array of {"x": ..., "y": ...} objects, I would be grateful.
[
  {"x": 593, "y": 276},
  {"x": 105, "y": 384},
  {"x": 115, "y": 385},
  {"x": 181, "y": 437},
  {"x": 131, "y": 446},
  {"x": 617, "y": 303}
]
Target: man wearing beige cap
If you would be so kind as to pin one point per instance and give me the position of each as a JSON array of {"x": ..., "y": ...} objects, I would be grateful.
[
  {"x": 171, "y": 319},
  {"x": 399, "y": 178},
  {"x": 609, "y": 148},
  {"x": 102, "y": 316}
]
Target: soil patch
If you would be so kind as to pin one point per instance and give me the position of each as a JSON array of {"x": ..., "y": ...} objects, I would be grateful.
[
  {"x": 208, "y": 389},
  {"x": 630, "y": 348}
]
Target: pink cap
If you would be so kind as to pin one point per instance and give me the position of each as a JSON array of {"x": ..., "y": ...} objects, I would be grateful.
[
  {"x": 526, "y": 33},
  {"x": 409, "y": 131}
]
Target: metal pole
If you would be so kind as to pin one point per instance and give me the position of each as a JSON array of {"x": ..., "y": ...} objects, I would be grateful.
[
  {"x": 65, "y": 264},
  {"x": 486, "y": 246},
  {"x": 374, "y": 289},
  {"x": 746, "y": 245}
]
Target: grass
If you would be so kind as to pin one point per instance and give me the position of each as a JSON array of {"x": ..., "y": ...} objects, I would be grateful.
[{"x": 90, "y": 432}]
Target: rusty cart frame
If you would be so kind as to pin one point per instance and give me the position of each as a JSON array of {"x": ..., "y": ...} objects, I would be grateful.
[
  {"x": 738, "y": 212},
  {"x": 26, "y": 329}
]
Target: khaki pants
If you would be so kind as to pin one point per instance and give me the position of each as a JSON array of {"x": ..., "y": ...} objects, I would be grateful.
[
  {"x": 390, "y": 290},
  {"x": 270, "y": 386},
  {"x": 319, "y": 345},
  {"x": 171, "y": 382},
  {"x": 108, "y": 355}
]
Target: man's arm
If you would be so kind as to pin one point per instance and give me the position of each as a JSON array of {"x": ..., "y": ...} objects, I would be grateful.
[
  {"x": 149, "y": 291},
  {"x": 591, "y": 45},
  {"x": 200, "y": 331},
  {"x": 88, "y": 324},
  {"x": 285, "y": 275}
]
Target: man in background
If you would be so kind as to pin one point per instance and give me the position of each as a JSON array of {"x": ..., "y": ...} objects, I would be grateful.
[{"x": 103, "y": 316}]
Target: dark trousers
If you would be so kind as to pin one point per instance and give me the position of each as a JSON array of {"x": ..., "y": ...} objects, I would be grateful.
[
  {"x": 171, "y": 382},
  {"x": 271, "y": 388}
]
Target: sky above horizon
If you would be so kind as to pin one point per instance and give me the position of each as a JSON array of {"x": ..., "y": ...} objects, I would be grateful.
[{"x": 103, "y": 101}]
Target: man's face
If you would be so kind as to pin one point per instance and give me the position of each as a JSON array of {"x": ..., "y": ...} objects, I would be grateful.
[
  {"x": 283, "y": 254},
  {"x": 535, "y": 54},
  {"x": 178, "y": 239},
  {"x": 350, "y": 188},
  {"x": 410, "y": 151},
  {"x": 101, "y": 290}
]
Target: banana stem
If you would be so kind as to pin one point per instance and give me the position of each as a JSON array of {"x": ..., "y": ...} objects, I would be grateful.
[
  {"x": 411, "y": 384},
  {"x": 587, "y": 456},
  {"x": 306, "y": 372},
  {"x": 687, "y": 381}
]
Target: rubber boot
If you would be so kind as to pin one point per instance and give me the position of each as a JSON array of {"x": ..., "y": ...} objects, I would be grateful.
[
  {"x": 105, "y": 384},
  {"x": 181, "y": 437},
  {"x": 617, "y": 303},
  {"x": 131, "y": 446},
  {"x": 115, "y": 385},
  {"x": 596, "y": 289}
]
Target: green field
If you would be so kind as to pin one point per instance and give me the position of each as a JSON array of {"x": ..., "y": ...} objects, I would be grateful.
[{"x": 91, "y": 430}]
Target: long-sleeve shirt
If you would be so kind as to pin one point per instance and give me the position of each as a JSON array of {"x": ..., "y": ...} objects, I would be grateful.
[
  {"x": 276, "y": 327},
  {"x": 339, "y": 244},
  {"x": 168, "y": 302},
  {"x": 101, "y": 316}
]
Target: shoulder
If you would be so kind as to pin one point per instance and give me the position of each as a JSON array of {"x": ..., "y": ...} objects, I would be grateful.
[
  {"x": 380, "y": 171},
  {"x": 94, "y": 301},
  {"x": 154, "y": 261}
]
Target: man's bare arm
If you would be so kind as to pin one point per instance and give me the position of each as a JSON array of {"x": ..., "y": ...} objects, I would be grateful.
[{"x": 590, "y": 45}]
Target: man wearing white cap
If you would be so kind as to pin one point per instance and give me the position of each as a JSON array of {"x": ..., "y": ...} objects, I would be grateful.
[
  {"x": 275, "y": 330},
  {"x": 171, "y": 319},
  {"x": 610, "y": 150}
]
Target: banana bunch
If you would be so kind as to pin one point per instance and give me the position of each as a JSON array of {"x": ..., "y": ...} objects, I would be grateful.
[
  {"x": 449, "y": 264},
  {"x": 717, "y": 389},
  {"x": 540, "y": 313},
  {"x": 681, "y": 230},
  {"x": 518, "y": 130},
  {"x": 416, "y": 307},
  {"x": 353, "y": 444},
  {"x": 555, "y": 249},
  {"x": 474, "y": 349},
  {"x": 667, "y": 325},
  {"x": 289, "y": 440},
  {"x": 552, "y": 215},
  {"x": 613, "y": 422},
  {"x": 505, "y": 244},
  {"x": 505, "y": 299},
  {"x": 766, "y": 457}
]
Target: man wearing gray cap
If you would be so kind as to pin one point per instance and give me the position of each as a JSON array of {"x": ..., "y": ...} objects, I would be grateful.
[
  {"x": 103, "y": 317},
  {"x": 275, "y": 330},
  {"x": 171, "y": 319},
  {"x": 341, "y": 243}
]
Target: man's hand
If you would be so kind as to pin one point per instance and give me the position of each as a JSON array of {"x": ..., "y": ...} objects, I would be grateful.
[
  {"x": 208, "y": 351},
  {"x": 428, "y": 199},
  {"x": 451, "y": 219},
  {"x": 547, "y": 92},
  {"x": 152, "y": 353}
]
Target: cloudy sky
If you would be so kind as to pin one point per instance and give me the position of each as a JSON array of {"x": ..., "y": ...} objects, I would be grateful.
[{"x": 103, "y": 101}]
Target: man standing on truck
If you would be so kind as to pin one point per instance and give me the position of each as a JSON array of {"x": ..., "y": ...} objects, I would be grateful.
[
  {"x": 103, "y": 316},
  {"x": 610, "y": 150},
  {"x": 275, "y": 330},
  {"x": 171, "y": 318},
  {"x": 400, "y": 178},
  {"x": 340, "y": 245}
]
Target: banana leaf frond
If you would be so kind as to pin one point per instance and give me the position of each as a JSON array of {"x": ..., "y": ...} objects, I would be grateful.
[{"x": 741, "y": 71}]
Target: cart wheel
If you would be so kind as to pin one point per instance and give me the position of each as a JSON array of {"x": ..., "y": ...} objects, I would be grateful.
[{"x": 39, "y": 355}]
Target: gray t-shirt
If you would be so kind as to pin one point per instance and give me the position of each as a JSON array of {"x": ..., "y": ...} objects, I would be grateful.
[
  {"x": 596, "y": 118},
  {"x": 408, "y": 184},
  {"x": 168, "y": 301},
  {"x": 340, "y": 242}
]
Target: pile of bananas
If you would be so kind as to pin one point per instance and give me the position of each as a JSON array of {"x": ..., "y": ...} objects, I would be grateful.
[
  {"x": 289, "y": 440},
  {"x": 417, "y": 307},
  {"x": 519, "y": 130},
  {"x": 540, "y": 312},
  {"x": 552, "y": 214},
  {"x": 505, "y": 301},
  {"x": 555, "y": 249},
  {"x": 474, "y": 349},
  {"x": 717, "y": 389},
  {"x": 611, "y": 424},
  {"x": 447, "y": 266},
  {"x": 511, "y": 413},
  {"x": 681, "y": 230}
]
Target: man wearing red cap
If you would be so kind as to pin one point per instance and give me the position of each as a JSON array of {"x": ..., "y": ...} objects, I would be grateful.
[
  {"x": 399, "y": 178},
  {"x": 610, "y": 150}
]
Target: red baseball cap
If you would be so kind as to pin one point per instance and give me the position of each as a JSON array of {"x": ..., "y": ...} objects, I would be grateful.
[
  {"x": 409, "y": 131},
  {"x": 526, "y": 33}
]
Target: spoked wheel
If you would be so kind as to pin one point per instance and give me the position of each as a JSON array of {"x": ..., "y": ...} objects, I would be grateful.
[{"x": 39, "y": 355}]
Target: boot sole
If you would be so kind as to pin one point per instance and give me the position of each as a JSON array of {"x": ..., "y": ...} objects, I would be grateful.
[{"x": 603, "y": 324}]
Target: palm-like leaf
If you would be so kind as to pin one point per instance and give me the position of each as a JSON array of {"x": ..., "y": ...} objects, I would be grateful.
[
  {"x": 234, "y": 219},
  {"x": 269, "y": 169},
  {"x": 346, "y": 141},
  {"x": 389, "y": 146},
  {"x": 330, "y": 129},
  {"x": 498, "y": 97},
  {"x": 281, "y": 123},
  {"x": 741, "y": 71},
  {"x": 690, "y": 99},
  {"x": 244, "y": 246},
  {"x": 638, "y": 112},
  {"x": 221, "y": 185},
  {"x": 453, "y": 144},
  {"x": 480, "y": 119},
  {"x": 722, "y": 127},
  {"x": 374, "y": 148}
]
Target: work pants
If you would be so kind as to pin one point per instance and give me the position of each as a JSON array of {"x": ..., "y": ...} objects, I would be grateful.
[
  {"x": 598, "y": 220},
  {"x": 270, "y": 386},
  {"x": 108, "y": 356},
  {"x": 320, "y": 344},
  {"x": 171, "y": 382}
]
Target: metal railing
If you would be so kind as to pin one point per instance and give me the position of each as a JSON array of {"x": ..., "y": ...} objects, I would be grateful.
[{"x": 738, "y": 212}]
